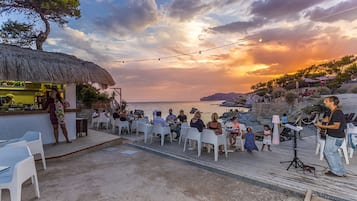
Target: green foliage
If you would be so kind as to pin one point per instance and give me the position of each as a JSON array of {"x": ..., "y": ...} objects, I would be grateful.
[
  {"x": 89, "y": 94},
  {"x": 353, "y": 90},
  {"x": 323, "y": 90},
  {"x": 261, "y": 92},
  {"x": 57, "y": 11},
  {"x": 341, "y": 91},
  {"x": 278, "y": 92},
  {"x": 16, "y": 33},
  {"x": 317, "y": 107},
  {"x": 290, "y": 97}
]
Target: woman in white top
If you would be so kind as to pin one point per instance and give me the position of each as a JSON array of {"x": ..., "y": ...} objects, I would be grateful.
[{"x": 267, "y": 137}]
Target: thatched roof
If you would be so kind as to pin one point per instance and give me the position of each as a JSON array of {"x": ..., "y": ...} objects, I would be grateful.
[{"x": 38, "y": 66}]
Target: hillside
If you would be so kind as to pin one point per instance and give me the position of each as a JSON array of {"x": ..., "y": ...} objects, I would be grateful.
[
  {"x": 332, "y": 74},
  {"x": 221, "y": 96}
]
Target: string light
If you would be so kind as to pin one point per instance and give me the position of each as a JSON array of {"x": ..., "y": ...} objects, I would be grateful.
[{"x": 183, "y": 54}]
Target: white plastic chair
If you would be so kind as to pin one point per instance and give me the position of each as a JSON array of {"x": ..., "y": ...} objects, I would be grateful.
[
  {"x": 193, "y": 134},
  {"x": 242, "y": 129},
  {"x": 183, "y": 131},
  {"x": 122, "y": 125},
  {"x": 95, "y": 122},
  {"x": 135, "y": 125},
  {"x": 145, "y": 128},
  {"x": 162, "y": 131},
  {"x": 33, "y": 139},
  {"x": 320, "y": 145},
  {"x": 102, "y": 119},
  {"x": 209, "y": 137},
  {"x": 351, "y": 129},
  {"x": 22, "y": 168},
  {"x": 34, "y": 142}
]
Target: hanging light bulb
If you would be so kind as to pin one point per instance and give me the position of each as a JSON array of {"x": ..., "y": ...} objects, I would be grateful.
[
  {"x": 260, "y": 40},
  {"x": 200, "y": 52},
  {"x": 159, "y": 59}
]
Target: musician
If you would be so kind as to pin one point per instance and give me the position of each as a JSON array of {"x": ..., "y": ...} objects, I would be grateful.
[{"x": 335, "y": 137}]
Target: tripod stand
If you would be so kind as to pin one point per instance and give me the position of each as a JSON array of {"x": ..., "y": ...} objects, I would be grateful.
[{"x": 296, "y": 162}]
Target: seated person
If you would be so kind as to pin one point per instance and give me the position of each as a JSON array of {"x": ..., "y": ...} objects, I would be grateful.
[
  {"x": 131, "y": 115},
  {"x": 171, "y": 117},
  {"x": 249, "y": 143},
  {"x": 95, "y": 114},
  {"x": 123, "y": 116},
  {"x": 214, "y": 124},
  {"x": 284, "y": 119},
  {"x": 182, "y": 117},
  {"x": 196, "y": 122},
  {"x": 216, "y": 127},
  {"x": 116, "y": 114},
  {"x": 234, "y": 131},
  {"x": 177, "y": 129},
  {"x": 159, "y": 120},
  {"x": 106, "y": 114}
]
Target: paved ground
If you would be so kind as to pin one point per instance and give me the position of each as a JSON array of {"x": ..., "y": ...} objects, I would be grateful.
[{"x": 109, "y": 174}]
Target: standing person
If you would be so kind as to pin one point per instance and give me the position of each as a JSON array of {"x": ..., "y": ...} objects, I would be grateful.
[
  {"x": 267, "y": 137},
  {"x": 55, "y": 105},
  {"x": 335, "y": 137},
  {"x": 249, "y": 143}
]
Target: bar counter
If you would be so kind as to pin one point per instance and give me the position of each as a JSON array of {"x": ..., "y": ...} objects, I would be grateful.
[{"x": 14, "y": 124}]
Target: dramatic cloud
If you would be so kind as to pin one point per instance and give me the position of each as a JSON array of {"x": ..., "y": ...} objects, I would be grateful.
[
  {"x": 346, "y": 10},
  {"x": 240, "y": 26},
  {"x": 79, "y": 43},
  {"x": 188, "y": 9},
  {"x": 134, "y": 17},
  {"x": 257, "y": 41},
  {"x": 287, "y": 50},
  {"x": 273, "y": 9}
]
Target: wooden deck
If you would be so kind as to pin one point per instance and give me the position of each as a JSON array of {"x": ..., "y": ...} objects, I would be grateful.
[{"x": 265, "y": 167}]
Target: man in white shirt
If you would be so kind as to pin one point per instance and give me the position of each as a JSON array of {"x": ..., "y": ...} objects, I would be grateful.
[
  {"x": 159, "y": 120},
  {"x": 171, "y": 117}
]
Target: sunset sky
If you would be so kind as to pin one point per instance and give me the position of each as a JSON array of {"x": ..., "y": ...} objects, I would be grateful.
[{"x": 263, "y": 38}]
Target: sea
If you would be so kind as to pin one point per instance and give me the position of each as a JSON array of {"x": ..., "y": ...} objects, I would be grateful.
[{"x": 205, "y": 107}]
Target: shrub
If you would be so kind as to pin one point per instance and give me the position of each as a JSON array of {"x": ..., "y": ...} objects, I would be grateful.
[
  {"x": 261, "y": 92},
  {"x": 341, "y": 91},
  {"x": 290, "y": 97},
  {"x": 88, "y": 95},
  {"x": 278, "y": 92},
  {"x": 353, "y": 90},
  {"x": 324, "y": 90}
]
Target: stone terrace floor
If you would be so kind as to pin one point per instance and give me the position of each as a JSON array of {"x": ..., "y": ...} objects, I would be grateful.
[{"x": 265, "y": 167}]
